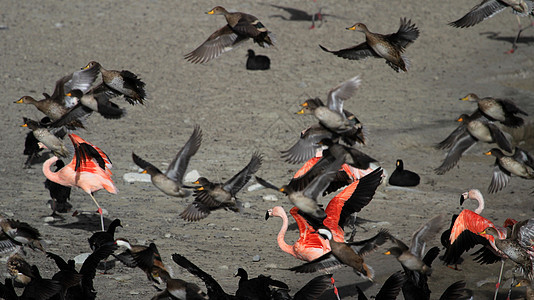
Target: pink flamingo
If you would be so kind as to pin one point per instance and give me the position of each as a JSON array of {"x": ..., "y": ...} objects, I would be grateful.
[
  {"x": 309, "y": 246},
  {"x": 358, "y": 198},
  {"x": 471, "y": 221},
  {"x": 88, "y": 170}
]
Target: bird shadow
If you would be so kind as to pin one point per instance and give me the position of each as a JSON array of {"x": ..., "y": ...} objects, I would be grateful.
[
  {"x": 510, "y": 39},
  {"x": 87, "y": 222}
]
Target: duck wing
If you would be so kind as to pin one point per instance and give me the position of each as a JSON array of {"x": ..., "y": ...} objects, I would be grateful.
[
  {"x": 222, "y": 40},
  {"x": 499, "y": 178},
  {"x": 195, "y": 211},
  {"x": 451, "y": 139},
  {"x": 523, "y": 157},
  {"x": 486, "y": 9},
  {"x": 236, "y": 183},
  {"x": 360, "y": 51},
  {"x": 499, "y": 137},
  {"x": 326, "y": 263},
  {"x": 462, "y": 144},
  {"x": 369, "y": 245},
  {"x": 406, "y": 34},
  {"x": 179, "y": 164},
  {"x": 392, "y": 286},
  {"x": 319, "y": 184},
  {"x": 306, "y": 147},
  {"x": 143, "y": 164},
  {"x": 314, "y": 288},
  {"x": 425, "y": 233},
  {"x": 215, "y": 291},
  {"x": 342, "y": 92}
]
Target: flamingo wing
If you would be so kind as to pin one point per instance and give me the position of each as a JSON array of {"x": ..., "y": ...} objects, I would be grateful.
[
  {"x": 85, "y": 150},
  {"x": 309, "y": 238}
]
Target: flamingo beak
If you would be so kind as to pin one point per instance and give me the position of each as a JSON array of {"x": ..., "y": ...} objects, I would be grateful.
[
  {"x": 267, "y": 215},
  {"x": 462, "y": 199}
]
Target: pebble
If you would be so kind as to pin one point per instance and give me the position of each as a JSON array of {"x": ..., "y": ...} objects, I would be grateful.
[
  {"x": 255, "y": 187},
  {"x": 136, "y": 177},
  {"x": 79, "y": 259},
  {"x": 270, "y": 197},
  {"x": 167, "y": 235},
  {"x": 235, "y": 229},
  {"x": 9, "y": 214},
  {"x": 256, "y": 258},
  {"x": 192, "y": 176},
  {"x": 49, "y": 219},
  {"x": 223, "y": 267},
  {"x": 271, "y": 266},
  {"x": 246, "y": 204},
  {"x": 134, "y": 293}
]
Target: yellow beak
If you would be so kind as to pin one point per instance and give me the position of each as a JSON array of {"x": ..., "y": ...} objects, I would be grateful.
[
  {"x": 19, "y": 101},
  {"x": 387, "y": 253},
  {"x": 211, "y": 12},
  {"x": 144, "y": 172},
  {"x": 24, "y": 125},
  {"x": 460, "y": 119},
  {"x": 300, "y": 112},
  {"x": 464, "y": 98},
  {"x": 86, "y": 67},
  {"x": 351, "y": 28},
  {"x": 487, "y": 153},
  {"x": 200, "y": 188}
]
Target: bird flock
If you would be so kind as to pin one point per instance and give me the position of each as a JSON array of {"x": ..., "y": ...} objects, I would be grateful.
[{"x": 332, "y": 164}]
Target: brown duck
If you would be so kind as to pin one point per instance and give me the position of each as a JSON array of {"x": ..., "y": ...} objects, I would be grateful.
[
  {"x": 344, "y": 254},
  {"x": 521, "y": 164},
  {"x": 171, "y": 182},
  {"x": 212, "y": 196},
  {"x": 123, "y": 82},
  {"x": 240, "y": 27},
  {"x": 502, "y": 110},
  {"x": 390, "y": 46},
  {"x": 58, "y": 104}
]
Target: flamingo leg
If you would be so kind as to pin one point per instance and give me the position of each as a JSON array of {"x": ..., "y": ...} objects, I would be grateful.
[
  {"x": 336, "y": 292},
  {"x": 514, "y": 45},
  {"x": 499, "y": 282},
  {"x": 99, "y": 211}
]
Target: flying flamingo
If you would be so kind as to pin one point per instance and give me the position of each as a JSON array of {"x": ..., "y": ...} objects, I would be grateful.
[
  {"x": 88, "y": 170},
  {"x": 309, "y": 246}
]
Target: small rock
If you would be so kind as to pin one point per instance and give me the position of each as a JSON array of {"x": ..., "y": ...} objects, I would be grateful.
[
  {"x": 223, "y": 267},
  {"x": 235, "y": 229},
  {"x": 255, "y": 187},
  {"x": 49, "y": 219},
  {"x": 9, "y": 214},
  {"x": 256, "y": 258},
  {"x": 167, "y": 235},
  {"x": 270, "y": 197},
  {"x": 192, "y": 176},
  {"x": 80, "y": 259},
  {"x": 58, "y": 25},
  {"x": 134, "y": 293},
  {"x": 271, "y": 266},
  {"x": 246, "y": 204},
  {"x": 136, "y": 177}
]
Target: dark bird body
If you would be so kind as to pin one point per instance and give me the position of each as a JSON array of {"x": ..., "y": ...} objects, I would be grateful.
[{"x": 257, "y": 62}]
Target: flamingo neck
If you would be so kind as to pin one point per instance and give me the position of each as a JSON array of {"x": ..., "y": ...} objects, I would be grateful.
[
  {"x": 280, "y": 238},
  {"x": 52, "y": 176},
  {"x": 478, "y": 196}
]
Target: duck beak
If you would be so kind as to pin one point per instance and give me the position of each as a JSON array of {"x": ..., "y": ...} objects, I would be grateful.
[
  {"x": 24, "y": 125},
  {"x": 387, "y": 253},
  {"x": 196, "y": 182},
  {"x": 351, "y": 28},
  {"x": 18, "y": 101},
  {"x": 144, "y": 172},
  {"x": 460, "y": 119},
  {"x": 518, "y": 284},
  {"x": 300, "y": 112},
  {"x": 304, "y": 104},
  {"x": 487, "y": 153},
  {"x": 211, "y": 12},
  {"x": 282, "y": 190},
  {"x": 68, "y": 94},
  {"x": 482, "y": 232},
  {"x": 86, "y": 67},
  {"x": 200, "y": 188},
  {"x": 267, "y": 215},
  {"x": 464, "y": 98}
]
